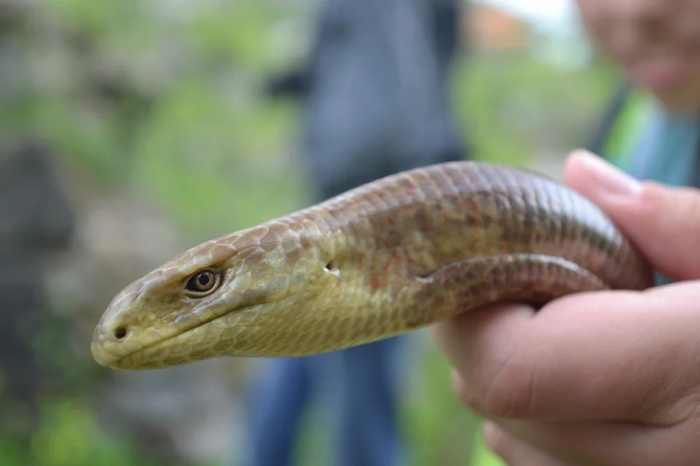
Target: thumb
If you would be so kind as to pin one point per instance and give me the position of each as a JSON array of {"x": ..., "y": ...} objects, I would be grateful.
[{"x": 663, "y": 221}]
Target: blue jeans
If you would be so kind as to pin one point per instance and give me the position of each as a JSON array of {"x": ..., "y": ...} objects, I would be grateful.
[{"x": 359, "y": 384}]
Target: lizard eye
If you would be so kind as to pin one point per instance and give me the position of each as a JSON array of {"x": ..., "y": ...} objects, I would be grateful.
[{"x": 202, "y": 283}]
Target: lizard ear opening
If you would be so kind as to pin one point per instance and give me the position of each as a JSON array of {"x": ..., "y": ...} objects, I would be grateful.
[{"x": 331, "y": 267}]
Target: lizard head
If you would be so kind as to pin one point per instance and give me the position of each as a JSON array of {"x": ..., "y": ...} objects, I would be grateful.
[{"x": 240, "y": 294}]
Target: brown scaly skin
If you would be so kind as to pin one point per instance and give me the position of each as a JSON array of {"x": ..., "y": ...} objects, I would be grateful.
[{"x": 388, "y": 257}]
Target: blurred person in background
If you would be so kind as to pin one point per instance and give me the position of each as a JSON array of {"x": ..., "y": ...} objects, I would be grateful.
[
  {"x": 610, "y": 378},
  {"x": 375, "y": 101}
]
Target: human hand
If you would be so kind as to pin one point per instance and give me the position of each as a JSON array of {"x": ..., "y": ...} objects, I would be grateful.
[{"x": 607, "y": 378}]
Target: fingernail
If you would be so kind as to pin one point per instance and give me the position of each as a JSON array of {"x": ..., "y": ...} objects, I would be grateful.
[{"x": 607, "y": 177}]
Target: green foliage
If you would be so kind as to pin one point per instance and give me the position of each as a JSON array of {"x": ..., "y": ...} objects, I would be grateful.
[
  {"x": 240, "y": 35},
  {"x": 516, "y": 108},
  {"x": 98, "y": 18},
  {"x": 482, "y": 456},
  {"x": 68, "y": 436},
  {"x": 87, "y": 141},
  {"x": 210, "y": 164}
]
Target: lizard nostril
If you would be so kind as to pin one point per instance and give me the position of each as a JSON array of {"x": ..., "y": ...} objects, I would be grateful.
[{"x": 120, "y": 332}]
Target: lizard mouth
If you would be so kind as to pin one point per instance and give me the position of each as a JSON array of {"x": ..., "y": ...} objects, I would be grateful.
[
  {"x": 103, "y": 356},
  {"x": 162, "y": 351},
  {"x": 149, "y": 349}
]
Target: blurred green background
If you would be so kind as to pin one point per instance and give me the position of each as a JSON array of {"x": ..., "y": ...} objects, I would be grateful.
[{"x": 161, "y": 138}]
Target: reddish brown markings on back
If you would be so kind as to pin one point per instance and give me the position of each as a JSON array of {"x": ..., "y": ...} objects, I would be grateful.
[
  {"x": 389, "y": 238},
  {"x": 475, "y": 212},
  {"x": 390, "y": 222},
  {"x": 375, "y": 280},
  {"x": 424, "y": 222}
]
